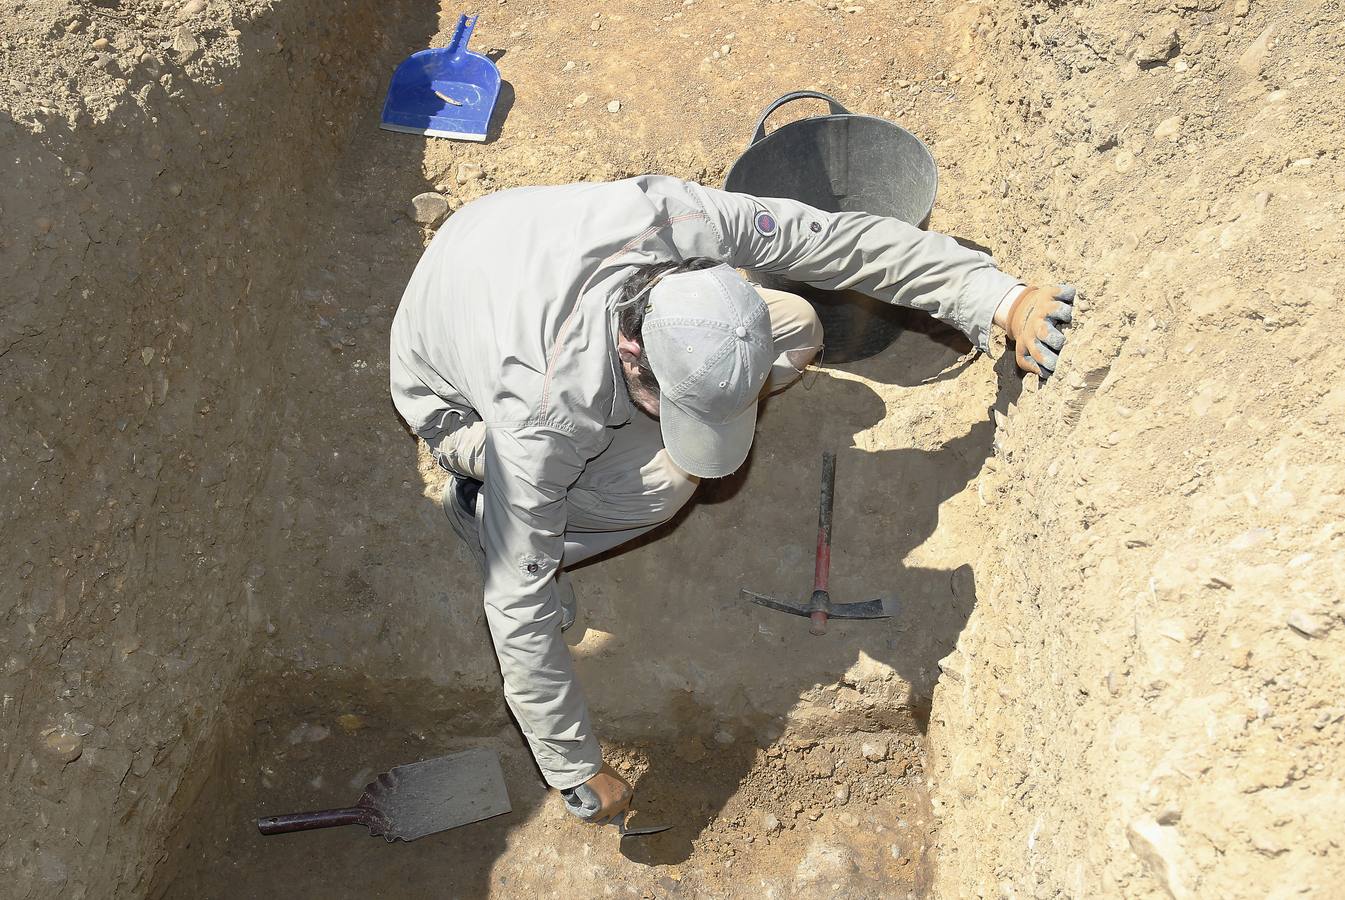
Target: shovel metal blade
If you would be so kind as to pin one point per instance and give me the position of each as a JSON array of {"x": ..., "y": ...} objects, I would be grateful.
[
  {"x": 414, "y": 800},
  {"x": 437, "y": 794}
]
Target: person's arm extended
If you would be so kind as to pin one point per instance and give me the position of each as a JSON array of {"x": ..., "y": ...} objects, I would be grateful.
[
  {"x": 876, "y": 255},
  {"x": 529, "y": 471}
]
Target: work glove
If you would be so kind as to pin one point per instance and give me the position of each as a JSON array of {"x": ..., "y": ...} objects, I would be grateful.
[
  {"x": 1034, "y": 323},
  {"x": 601, "y": 798}
]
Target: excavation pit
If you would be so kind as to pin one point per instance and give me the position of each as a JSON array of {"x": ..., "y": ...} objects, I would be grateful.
[
  {"x": 287, "y": 610},
  {"x": 794, "y": 816},
  {"x": 225, "y": 549}
]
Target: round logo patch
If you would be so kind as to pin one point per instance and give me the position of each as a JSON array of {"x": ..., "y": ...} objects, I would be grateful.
[{"x": 766, "y": 224}]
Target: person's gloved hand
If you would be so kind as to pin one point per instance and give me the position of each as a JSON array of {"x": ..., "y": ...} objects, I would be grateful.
[
  {"x": 601, "y": 798},
  {"x": 1034, "y": 324}
]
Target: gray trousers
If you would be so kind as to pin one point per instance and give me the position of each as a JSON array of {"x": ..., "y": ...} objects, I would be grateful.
[{"x": 633, "y": 486}]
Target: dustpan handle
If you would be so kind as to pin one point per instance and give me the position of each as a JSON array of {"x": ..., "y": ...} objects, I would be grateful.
[
  {"x": 461, "y": 35},
  {"x": 760, "y": 131},
  {"x": 305, "y": 821}
]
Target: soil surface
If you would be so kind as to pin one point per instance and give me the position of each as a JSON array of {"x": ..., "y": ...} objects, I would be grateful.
[
  {"x": 233, "y": 592},
  {"x": 805, "y": 817}
]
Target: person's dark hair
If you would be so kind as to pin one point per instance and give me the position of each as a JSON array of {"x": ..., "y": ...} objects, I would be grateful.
[
  {"x": 632, "y": 314},
  {"x": 630, "y": 320}
]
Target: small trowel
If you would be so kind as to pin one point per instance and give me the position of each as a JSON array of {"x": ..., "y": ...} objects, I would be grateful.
[
  {"x": 414, "y": 800},
  {"x": 583, "y": 802},
  {"x": 635, "y": 830}
]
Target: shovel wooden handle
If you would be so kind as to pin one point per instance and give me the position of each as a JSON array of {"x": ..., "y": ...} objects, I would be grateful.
[{"x": 305, "y": 821}]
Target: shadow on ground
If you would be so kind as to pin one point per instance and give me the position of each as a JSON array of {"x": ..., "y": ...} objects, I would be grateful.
[{"x": 756, "y": 529}]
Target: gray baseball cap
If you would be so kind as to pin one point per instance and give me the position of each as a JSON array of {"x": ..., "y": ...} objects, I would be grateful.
[{"x": 707, "y": 334}]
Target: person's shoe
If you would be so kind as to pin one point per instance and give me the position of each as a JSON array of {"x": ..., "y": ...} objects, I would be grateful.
[
  {"x": 460, "y": 500},
  {"x": 569, "y": 603}
]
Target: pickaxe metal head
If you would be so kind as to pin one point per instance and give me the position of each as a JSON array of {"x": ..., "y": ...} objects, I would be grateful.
[{"x": 819, "y": 607}]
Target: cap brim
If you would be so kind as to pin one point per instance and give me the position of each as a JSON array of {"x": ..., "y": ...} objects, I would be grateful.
[{"x": 704, "y": 450}]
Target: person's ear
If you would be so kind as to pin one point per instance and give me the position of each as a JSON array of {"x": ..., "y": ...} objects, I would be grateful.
[{"x": 629, "y": 349}]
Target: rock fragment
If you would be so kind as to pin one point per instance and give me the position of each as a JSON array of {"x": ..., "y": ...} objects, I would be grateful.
[
  {"x": 304, "y": 733},
  {"x": 469, "y": 172},
  {"x": 614, "y": 106},
  {"x": 184, "y": 43},
  {"x": 1253, "y": 59},
  {"x": 1305, "y": 624},
  {"x": 875, "y": 751},
  {"x": 1170, "y": 127},
  {"x": 1158, "y": 848},
  {"x": 768, "y": 823},
  {"x": 189, "y": 9},
  {"x": 1161, "y": 45},
  {"x": 429, "y": 207},
  {"x": 63, "y": 744}
]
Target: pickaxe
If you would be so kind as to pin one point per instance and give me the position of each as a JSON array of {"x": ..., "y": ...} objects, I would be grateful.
[{"x": 819, "y": 606}]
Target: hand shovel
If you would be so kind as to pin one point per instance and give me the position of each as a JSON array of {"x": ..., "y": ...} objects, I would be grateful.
[
  {"x": 635, "y": 830},
  {"x": 583, "y": 802},
  {"x": 412, "y": 801}
]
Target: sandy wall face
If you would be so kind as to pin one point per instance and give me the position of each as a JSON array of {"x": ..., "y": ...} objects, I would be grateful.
[
  {"x": 1143, "y": 702},
  {"x": 137, "y": 392}
]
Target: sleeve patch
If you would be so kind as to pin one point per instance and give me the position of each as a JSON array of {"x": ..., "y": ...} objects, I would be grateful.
[{"x": 765, "y": 224}]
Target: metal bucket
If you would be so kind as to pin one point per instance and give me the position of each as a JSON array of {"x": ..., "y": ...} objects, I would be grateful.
[{"x": 840, "y": 163}]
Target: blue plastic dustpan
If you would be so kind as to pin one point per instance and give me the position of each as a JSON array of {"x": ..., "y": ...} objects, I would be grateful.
[{"x": 447, "y": 92}]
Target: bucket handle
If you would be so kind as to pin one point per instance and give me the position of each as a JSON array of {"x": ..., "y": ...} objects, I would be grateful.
[{"x": 760, "y": 131}]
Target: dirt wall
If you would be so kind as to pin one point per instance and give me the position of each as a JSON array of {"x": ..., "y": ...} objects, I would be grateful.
[
  {"x": 1145, "y": 701},
  {"x": 151, "y": 155}
]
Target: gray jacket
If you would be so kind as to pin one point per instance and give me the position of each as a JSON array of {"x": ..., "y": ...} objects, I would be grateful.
[{"x": 509, "y": 317}]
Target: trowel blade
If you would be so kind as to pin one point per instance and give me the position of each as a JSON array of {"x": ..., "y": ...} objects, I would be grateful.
[
  {"x": 646, "y": 829},
  {"x": 627, "y": 831},
  {"x": 437, "y": 794}
]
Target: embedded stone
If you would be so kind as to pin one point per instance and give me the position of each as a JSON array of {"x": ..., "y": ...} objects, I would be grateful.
[{"x": 429, "y": 207}]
